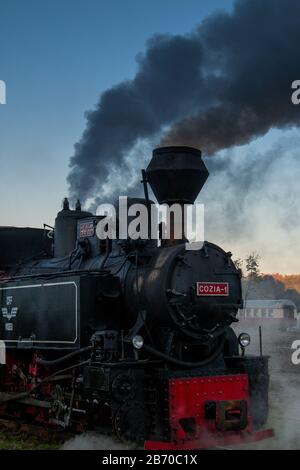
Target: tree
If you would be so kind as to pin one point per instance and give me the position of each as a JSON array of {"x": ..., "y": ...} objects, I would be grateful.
[
  {"x": 252, "y": 265},
  {"x": 239, "y": 264}
]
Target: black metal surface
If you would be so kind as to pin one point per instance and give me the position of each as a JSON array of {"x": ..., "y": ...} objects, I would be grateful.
[
  {"x": 18, "y": 245},
  {"x": 257, "y": 369},
  {"x": 33, "y": 313},
  {"x": 66, "y": 229},
  {"x": 176, "y": 174},
  {"x": 60, "y": 313},
  {"x": 167, "y": 288}
]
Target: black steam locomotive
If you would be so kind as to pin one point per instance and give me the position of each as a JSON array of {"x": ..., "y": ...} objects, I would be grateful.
[{"x": 130, "y": 337}]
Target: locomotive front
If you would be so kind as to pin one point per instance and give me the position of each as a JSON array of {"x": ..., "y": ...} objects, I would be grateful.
[
  {"x": 135, "y": 333},
  {"x": 189, "y": 296}
]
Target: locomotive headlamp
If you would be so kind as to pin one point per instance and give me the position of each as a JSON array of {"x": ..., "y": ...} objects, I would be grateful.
[
  {"x": 138, "y": 342},
  {"x": 244, "y": 340}
]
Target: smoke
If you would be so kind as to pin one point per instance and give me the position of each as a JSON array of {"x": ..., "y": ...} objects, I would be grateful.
[
  {"x": 94, "y": 441},
  {"x": 222, "y": 85},
  {"x": 284, "y": 399},
  {"x": 284, "y": 413},
  {"x": 252, "y": 200},
  {"x": 252, "y": 54},
  {"x": 162, "y": 90}
]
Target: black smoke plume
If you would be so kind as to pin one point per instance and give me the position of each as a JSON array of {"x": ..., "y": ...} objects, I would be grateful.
[{"x": 223, "y": 84}]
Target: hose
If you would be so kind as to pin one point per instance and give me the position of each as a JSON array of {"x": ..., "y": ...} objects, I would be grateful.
[
  {"x": 178, "y": 362},
  {"x": 6, "y": 397},
  {"x": 54, "y": 362}
]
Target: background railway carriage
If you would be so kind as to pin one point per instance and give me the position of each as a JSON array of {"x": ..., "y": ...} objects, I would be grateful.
[{"x": 280, "y": 314}]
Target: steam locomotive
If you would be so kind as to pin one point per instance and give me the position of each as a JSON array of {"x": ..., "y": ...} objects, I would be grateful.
[{"x": 129, "y": 337}]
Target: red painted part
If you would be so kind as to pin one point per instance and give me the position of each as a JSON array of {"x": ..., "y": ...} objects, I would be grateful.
[
  {"x": 15, "y": 382},
  {"x": 217, "y": 289},
  {"x": 188, "y": 398},
  {"x": 86, "y": 229}
]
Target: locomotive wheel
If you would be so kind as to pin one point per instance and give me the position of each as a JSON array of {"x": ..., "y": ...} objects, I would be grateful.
[
  {"x": 132, "y": 423},
  {"x": 123, "y": 388}
]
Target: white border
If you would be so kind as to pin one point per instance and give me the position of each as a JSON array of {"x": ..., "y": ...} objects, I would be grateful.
[{"x": 48, "y": 285}]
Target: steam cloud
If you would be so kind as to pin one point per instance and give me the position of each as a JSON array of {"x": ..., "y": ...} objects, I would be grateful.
[
  {"x": 223, "y": 84},
  {"x": 95, "y": 441},
  {"x": 252, "y": 200}
]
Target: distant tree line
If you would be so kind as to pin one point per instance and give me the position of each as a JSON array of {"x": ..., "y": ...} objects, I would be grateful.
[
  {"x": 258, "y": 286},
  {"x": 291, "y": 281}
]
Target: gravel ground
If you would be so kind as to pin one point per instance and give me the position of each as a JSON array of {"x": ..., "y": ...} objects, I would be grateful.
[{"x": 284, "y": 414}]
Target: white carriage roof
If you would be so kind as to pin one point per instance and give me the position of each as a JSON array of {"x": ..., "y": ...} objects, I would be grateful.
[{"x": 276, "y": 303}]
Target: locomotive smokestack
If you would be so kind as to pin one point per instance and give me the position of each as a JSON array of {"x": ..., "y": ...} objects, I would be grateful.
[{"x": 176, "y": 174}]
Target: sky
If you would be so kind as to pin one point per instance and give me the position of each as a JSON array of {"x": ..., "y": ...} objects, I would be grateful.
[{"x": 56, "y": 58}]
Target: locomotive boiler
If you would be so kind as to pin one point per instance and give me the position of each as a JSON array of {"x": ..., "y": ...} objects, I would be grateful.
[{"x": 129, "y": 337}]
